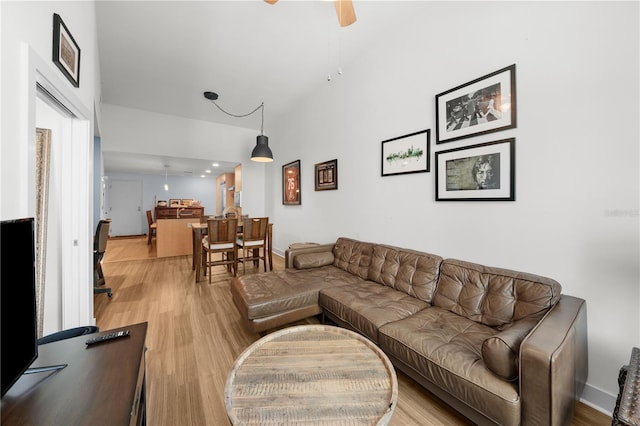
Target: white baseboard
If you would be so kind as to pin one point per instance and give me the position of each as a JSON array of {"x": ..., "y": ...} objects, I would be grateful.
[{"x": 598, "y": 399}]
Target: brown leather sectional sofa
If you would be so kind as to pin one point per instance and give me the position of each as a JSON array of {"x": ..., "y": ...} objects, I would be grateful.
[{"x": 499, "y": 346}]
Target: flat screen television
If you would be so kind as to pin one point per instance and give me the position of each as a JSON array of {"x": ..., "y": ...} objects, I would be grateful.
[{"x": 18, "y": 320}]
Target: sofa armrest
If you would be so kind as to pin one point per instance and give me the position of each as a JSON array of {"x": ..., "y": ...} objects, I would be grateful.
[
  {"x": 554, "y": 364},
  {"x": 290, "y": 254}
]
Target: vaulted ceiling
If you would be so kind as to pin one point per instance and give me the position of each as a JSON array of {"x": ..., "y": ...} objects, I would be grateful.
[{"x": 161, "y": 56}]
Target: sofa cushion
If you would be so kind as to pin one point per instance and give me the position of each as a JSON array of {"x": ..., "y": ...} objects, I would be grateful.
[
  {"x": 445, "y": 349},
  {"x": 365, "y": 306},
  {"x": 412, "y": 272},
  {"x": 313, "y": 260},
  {"x": 353, "y": 256},
  {"x": 270, "y": 293},
  {"x": 500, "y": 352},
  {"x": 493, "y": 296}
]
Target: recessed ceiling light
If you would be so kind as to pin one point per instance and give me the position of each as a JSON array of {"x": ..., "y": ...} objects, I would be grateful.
[
  {"x": 207, "y": 171},
  {"x": 215, "y": 164}
]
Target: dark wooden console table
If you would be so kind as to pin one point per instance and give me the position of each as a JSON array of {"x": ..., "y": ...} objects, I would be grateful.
[
  {"x": 102, "y": 384},
  {"x": 180, "y": 212}
]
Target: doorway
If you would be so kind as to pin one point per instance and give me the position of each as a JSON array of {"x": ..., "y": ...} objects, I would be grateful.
[{"x": 125, "y": 207}]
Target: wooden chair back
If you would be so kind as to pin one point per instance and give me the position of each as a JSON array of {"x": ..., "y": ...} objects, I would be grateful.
[
  {"x": 222, "y": 231},
  {"x": 254, "y": 229}
]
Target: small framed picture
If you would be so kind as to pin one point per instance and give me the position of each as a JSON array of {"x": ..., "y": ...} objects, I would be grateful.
[
  {"x": 291, "y": 195},
  {"x": 187, "y": 202},
  {"x": 484, "y": 172},
  {"x": 406, "y": 154},
  {"x": 66, "y": 52},
  {"x": 484, "y": 105},
  {"x": 174, "y": 202},
  {"x": 326, "y": 175}
]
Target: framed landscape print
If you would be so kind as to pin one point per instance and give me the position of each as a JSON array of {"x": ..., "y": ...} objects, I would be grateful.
[
  {"x": 291, "y": 184},
  {"x": 66, "y": 52},
  {"x": 406, "y": 154},
  {"x": 484, "y": 105},
  {"x": 484, "y": 172},
  {"x": 327, "y": 175}
]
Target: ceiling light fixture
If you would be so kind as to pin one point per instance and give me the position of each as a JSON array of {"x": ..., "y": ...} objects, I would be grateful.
[
  {"x": 261, "y": 152},
  {"x": 166, "y": 185}
]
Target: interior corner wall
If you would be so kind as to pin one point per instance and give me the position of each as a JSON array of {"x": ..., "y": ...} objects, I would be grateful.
[{"x": 575, "y": 217}]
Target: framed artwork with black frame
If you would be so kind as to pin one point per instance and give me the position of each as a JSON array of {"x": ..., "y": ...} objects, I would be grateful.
[
  {"x": 66, "y": 52},
  {"x": 484, "y": 105},
  {"x": 406, "y": 154},
  {"x": 326, "y": 175},
  {"x": 483, "y": 172},
  {"x": 291, "y": 195}
]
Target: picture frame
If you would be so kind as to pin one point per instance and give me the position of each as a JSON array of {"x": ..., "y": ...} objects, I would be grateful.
[
  {"x": 326, "y": 175},
  {"x": 406, "y": 154},
  {"x": 174, "y": 202},
  {"x": 186, "y": 202},
  {"x": 483, "y": 172},
  {"x": 484, "y": 105},
  {"x": 291, "y": 194},
  {"x": 66, "y": 52}
]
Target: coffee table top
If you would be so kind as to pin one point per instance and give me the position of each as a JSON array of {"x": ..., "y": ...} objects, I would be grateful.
[{"x": 315, "y": 374}]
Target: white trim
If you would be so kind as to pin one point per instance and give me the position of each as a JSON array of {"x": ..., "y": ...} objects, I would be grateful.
[{"x": 76, "y": 236}]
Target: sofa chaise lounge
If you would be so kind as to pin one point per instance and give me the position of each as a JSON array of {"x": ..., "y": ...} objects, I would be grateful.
[{"x": 499, "y": 346}]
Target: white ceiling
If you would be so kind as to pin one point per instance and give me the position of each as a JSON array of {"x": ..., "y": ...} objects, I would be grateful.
[{"x": 161, "y": 56}]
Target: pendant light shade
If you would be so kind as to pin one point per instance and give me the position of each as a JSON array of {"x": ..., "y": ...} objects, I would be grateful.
[{"x": 262, "y": 153}]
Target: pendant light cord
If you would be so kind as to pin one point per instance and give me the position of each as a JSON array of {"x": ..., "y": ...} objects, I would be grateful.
[{"x": 245, "y": 115}]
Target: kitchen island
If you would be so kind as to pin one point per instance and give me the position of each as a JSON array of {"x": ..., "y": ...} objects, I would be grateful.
[{"x": 173, "y": 230}]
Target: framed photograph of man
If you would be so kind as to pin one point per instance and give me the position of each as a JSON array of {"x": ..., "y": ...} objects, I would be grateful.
[
  {"x": 484, "y": 172},
  {"x": 484, "y": 105},
  {"x": 291, "y": 195},
  {"x": 326, "y": 175}
]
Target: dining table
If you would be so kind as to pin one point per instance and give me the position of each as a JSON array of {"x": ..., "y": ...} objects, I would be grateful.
[{"x": 199, "y": 230}]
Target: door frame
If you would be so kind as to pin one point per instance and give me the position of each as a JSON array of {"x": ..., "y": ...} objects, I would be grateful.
[{"x": 76, "y": 236}]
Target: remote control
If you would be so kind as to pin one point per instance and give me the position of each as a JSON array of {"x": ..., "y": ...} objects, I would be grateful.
[{"x": 105, "y": 337}]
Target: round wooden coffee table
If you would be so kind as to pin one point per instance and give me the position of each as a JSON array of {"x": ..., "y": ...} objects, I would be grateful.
[{"x": 312, "y": 374}]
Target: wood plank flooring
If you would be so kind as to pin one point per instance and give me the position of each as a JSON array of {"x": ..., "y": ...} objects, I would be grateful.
[{"x": 195, "y": 335}]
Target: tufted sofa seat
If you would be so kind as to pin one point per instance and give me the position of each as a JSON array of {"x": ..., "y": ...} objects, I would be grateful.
[{"x": 499, "y": 346}]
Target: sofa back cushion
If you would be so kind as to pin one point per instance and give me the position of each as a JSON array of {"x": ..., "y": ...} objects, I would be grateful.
[
  {"x": 493, "y": 296},
  {"x": 412, "y": 272},
  {"x": 353, "y": 256}
]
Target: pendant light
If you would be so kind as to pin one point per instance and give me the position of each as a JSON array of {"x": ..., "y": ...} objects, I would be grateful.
[
  {"x": 261, "y": 153},
  {"x": 166, "y": 185}
]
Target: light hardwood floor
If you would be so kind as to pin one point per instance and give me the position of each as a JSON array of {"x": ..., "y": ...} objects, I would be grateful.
[{"x": 195, "y": 334}]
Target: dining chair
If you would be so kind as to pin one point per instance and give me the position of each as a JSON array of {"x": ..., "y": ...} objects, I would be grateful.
[
  {"x": 205, "y": 218},
  {"x": 253, "y": 238},
  {"x": 152, "y": 227},
  {"x": 220, "y": 238}
]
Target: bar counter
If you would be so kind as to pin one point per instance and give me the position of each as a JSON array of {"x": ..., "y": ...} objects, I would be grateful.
[{"x": 173, "y": 229}]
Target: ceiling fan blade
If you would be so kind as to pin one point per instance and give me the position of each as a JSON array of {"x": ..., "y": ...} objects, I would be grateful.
[
  {"x": 345, "y": 11},
  {"x": 271, "y": 1}
]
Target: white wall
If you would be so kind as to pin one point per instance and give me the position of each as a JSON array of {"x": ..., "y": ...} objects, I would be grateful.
[
  {"x": 575, "y": 217},
  {"x": 32, "y": 23}
]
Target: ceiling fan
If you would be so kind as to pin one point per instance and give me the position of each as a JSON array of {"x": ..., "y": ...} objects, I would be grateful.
[{"x": 344, "y": 10}]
